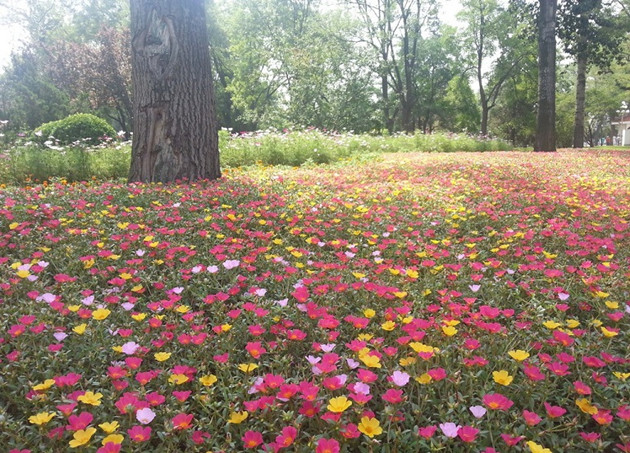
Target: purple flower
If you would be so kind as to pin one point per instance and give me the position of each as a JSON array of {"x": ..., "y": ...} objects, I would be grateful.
[
  {"x": 231, "y": 264},
  {"x": 478, "y": 411},
  {"x": 449, "y": 429},
  {"x": 400, "y": 378},
  {"x": 130, "y": 347},
  {"x": 145, "y": 415}
]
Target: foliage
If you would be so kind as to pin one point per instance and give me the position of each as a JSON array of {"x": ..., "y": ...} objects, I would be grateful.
[
  {"x": 80, "y": 127},
  {"x": 452, "y": 302},
  {"x": 25, "y": 163}
]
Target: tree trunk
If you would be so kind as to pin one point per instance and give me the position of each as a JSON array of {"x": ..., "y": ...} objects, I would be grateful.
[
  {"x": 175, "y": 129},
  {"x": 546, "y": 116},
  {"x": 580, "y": 100}
]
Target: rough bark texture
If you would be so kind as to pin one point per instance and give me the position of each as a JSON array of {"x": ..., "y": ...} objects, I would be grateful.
[
  {"x": 175, "y": 129},
  {"x": 546, "y": 117},
  {"x": 580, "y": 100}
]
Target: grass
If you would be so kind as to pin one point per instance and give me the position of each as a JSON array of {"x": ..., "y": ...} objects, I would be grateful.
[{"x": 25, "y": 163}]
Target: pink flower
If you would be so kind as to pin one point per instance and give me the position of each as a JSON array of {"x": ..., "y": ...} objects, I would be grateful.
[
  {"x": 590, "y": 437},
  {"x": 427, "y": 431},
  {"x": 252, "y": 439},
  {"x": 393, "y": 396},
  {"x": 496, "y": 401},
  {"x": 289, "y": 433},
  {"x": 511, "y": 441},
  {"x": 139, "y": 433},
  {"x": 467, "y": 433},
  {"x": 554, "y": 411},
  {"x": 327, "y": 446},
  {"x": 531, "y": 418},
  {"x": 182, "y": 421}
]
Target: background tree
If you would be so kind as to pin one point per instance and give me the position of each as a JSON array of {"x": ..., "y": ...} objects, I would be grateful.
[
  {"x": 492, "y": 36},
  {"x": 546, "y": 114},
  {"x": 591, "y": 34},
  {"x": 175, "y": 129}
]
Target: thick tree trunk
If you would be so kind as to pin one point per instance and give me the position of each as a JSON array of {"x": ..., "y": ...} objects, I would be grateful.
[
  {"x": 175, "y": 130},
  {"x": 580, "y": 100},
  {"x": 546, "y": 116}
]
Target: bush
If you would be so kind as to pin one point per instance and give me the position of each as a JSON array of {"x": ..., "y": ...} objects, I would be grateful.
[{"x": 74, "y": 128}]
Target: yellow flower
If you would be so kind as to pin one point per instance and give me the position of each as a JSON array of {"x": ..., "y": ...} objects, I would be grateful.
[
  {"x": 622, "y": 376},
  {"x": 519, "y": 355},
  {"x": 238, "y": 417},
  {"x": 208, "y": 380},
  {"x": 126, "y": 276},
  {"x": 339, "y": 404},
  {"x": 370, "y": 427},
  {"x": 585, "y": 406},
  {"x": 421, "y": 347},
  {"x": 74, "y": 308},
  {"x": 535, "y": 448},
  {"x": 82, "y": 437},
  {"x": 162, "y": 356},
  {"x": 502, "y": 377},
  {"x": 226, "y": 327},
  {"x": 109, "y": 427},
  {"x": 369, "y": 313},
  {"x": 182, "y": 309},
  {"x": 178, "y": 379},
  {"x": 139, "y": 316},
  {"x": 23, "y": 273},
  {"x": 449, "y": 331},
  {"x": 551, "y": 324},
  {"x": 400, "y": 294},
  {"x": 424, "y": 379},
  {"x": 371, "y": 361},
  {"x": 44, "y": 385},
  {"x": 612, "y": 305},
  {"x": 100, "y": 314},
  {"x": 365, "y": 337},
  {"x": 91, "y": 398},
  {"x": 42, "y": 418},
  {"x": 388, "y": 325},
  {"x": 247, "y": 367},
  {"x": 80, "y": 329},
  {"x": 608, "y": 333},
  {"x": 113, "y": 439},
  {"x": 572, "y": 323},
  {"x": 406, "y": 361}
]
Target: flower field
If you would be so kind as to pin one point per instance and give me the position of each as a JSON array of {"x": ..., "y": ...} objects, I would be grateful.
[{"x": 420, "y": 302}]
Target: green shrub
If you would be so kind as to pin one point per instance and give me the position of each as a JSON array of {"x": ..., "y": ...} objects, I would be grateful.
[{"x": 81, "y": 127}]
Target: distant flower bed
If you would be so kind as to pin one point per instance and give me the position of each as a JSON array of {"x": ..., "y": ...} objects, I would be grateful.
[{"x": 452, "y": 302}]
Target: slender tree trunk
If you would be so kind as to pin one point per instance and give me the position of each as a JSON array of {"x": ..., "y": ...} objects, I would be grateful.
[
  {"x": 580, "y": 100},
  {"x": 546, "y": 116},
  {"x": 175, "y": 130}
]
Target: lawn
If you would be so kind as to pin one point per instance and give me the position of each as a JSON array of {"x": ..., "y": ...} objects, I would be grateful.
[{"x": 413, "y": 302}]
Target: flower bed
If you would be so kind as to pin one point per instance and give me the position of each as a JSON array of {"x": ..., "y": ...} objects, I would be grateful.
[{"x": 460, "y": 302}]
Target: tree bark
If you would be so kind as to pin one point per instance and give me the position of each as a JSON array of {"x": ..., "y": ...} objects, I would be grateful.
[
  {"x": 580, "y": 101},
  {"x": 175, "y": 128},
  {"x": 546, "y": 115}
]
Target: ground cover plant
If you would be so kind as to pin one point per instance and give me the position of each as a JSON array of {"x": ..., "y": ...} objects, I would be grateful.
[
  {"x": 421, "y": 302},
  {"x": 26, "y": 162}
]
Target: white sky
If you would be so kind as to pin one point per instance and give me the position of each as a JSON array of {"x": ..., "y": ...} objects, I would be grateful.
[{"x": 11, "y": 35}]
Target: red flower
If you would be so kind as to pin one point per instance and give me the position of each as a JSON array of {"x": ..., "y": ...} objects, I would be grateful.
[
  {"x": 554, "y": 411},
  {"x": 327, "y": 446},
  {"x": 289, "y": 433},
  {"x": 252, "y": 439},
  {"x": 182, "y": 421},
  {"x": 496, "y": 401},
  {"x": 139, "y": 433},
  {"x": 393, "y": 396},
  {"x": 531, "y": 418},
  {"x": 467, "y": 433},
  {"x": 427, "y": 431}
]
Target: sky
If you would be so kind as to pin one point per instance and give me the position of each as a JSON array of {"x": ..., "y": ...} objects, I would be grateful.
[{"x": 11, "y": 35}]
